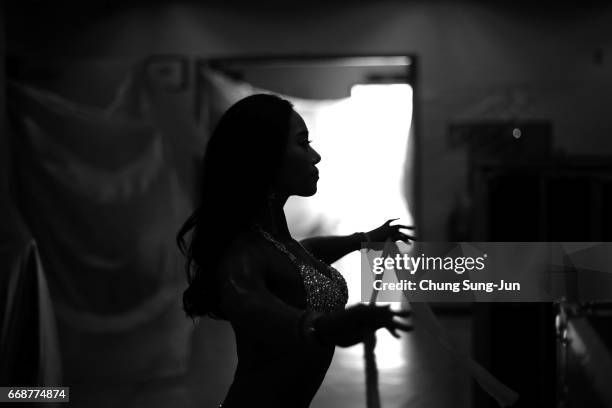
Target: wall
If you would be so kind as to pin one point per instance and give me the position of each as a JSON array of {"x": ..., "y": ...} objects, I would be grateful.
[{"x": 475, "y": 61}]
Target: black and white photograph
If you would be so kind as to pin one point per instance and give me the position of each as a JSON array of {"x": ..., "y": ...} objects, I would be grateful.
[{"x": 322, "y": 204}]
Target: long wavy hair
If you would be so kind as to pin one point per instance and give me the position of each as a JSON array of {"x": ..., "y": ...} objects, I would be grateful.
[{"x": 241, "y": 162}]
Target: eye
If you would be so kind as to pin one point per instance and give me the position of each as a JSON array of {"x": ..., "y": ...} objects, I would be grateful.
[{"x": 305, "y": 142}]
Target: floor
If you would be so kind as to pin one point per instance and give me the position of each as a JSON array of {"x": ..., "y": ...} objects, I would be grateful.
[{"x": 414, "y": 371}]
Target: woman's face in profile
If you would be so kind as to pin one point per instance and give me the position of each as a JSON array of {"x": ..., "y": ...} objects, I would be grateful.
[{"x": 298, "y": 174}]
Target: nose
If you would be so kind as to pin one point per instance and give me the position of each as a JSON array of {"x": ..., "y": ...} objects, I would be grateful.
[{"x": 317, "y": 157}]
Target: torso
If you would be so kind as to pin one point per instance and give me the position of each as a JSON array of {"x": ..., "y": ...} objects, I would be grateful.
[{"x": 268, "y": 376}]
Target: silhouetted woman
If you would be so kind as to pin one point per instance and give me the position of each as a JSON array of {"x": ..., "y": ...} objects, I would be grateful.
[{"x": 283, "y": 300}]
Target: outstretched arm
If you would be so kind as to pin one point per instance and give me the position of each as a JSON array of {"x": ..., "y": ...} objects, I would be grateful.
[{"x": 330, "y": 249}]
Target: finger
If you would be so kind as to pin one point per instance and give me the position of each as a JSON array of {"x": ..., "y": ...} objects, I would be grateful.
[
  {"x": 400, "y": 236},
  {"x": 390, "y": 221},
  {"x": 403, "y": 238},
  {"x": 383, "y": 316},
  {"x": 404, "y": 226},
  {"x": 393, "y": 332},
  {"x": 402, "y": 326},
  {"x": 402, "y": 313}
]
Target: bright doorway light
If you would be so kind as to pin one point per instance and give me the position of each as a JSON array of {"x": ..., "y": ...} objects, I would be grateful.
[{"x": 363, "y": 141}]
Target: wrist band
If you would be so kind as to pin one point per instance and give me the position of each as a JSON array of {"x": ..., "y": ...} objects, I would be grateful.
[{"x": 365, "y": 237}]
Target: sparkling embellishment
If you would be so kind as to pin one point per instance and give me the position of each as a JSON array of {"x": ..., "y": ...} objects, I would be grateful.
[{"x": 326, "y": 291}]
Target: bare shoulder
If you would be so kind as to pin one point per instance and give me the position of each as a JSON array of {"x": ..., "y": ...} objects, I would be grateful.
[{"x": 246, "y": 250}]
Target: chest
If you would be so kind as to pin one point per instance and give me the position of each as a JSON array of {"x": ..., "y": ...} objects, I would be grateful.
[
  {"x": 301, "y": 280},
  {"x": 284, "y": 280}
]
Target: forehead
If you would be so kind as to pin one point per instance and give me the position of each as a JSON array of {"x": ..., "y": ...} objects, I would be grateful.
[{"x": 297, "y": 124}]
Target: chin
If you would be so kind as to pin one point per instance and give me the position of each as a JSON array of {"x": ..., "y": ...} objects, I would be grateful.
[
  {"x": 308, "y": 192},
  {"x": 313, "y": 190}
]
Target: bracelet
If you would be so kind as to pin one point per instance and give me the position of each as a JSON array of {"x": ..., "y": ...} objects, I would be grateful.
[{"x": 365, "y": 237}]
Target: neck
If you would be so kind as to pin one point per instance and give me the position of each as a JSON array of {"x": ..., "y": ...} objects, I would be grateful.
[{"x": 272, "y": 219}]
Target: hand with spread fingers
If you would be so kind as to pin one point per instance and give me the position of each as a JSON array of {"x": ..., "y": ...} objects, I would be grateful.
[
  {"x": 391, "y": 232},
  {"x": 350, "y": 326}
]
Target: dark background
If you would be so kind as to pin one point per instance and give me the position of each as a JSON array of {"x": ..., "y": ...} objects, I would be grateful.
[{"x": 483, "y": 69}]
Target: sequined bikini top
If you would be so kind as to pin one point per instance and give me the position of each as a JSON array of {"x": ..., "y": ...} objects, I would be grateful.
[{"x": 326, "y": 290}]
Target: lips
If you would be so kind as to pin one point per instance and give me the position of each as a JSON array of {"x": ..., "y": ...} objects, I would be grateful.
[{"x": 315, "y": 173}]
